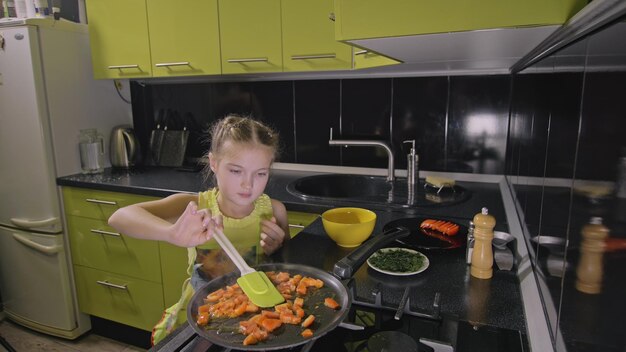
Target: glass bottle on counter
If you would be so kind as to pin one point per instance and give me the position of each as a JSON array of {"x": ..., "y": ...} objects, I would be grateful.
[{"x": 91, "y": 147}]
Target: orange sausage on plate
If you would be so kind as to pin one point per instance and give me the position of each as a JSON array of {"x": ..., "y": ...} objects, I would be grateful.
[{"x": 444, "y": 227}]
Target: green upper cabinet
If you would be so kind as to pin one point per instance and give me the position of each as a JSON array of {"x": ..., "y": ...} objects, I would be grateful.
[
  {"x": 309, "y": 37},
  {"x": 184, "y": 38},
  {"x": 360, "y": 19},
  {"x": 118, "y": 33},
  {"x": 250, "y": 36}
]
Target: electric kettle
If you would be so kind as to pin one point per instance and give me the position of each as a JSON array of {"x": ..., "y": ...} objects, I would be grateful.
[{"x": 123, "y": 147}]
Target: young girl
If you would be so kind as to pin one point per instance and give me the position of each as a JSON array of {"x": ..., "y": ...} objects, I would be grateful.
[{"x": 242, "y": 151}]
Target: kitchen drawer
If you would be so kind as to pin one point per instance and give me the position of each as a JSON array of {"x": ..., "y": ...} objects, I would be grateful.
[
  {"x": 97, "y": 204},
  {"x": 299, "y": 220},
  {"x": 119, "y": 298},
  {"x": 96, "y": 245},
  {"x": 173, "y": 270}
]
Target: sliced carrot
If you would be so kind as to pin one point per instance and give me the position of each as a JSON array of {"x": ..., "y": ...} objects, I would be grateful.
[
  {"x": 308, "y": 321},
  {"x": 203, "y": 319},
  {"x": 215, "y": 296},
  {"x": 302, "y": 288},
  {"x": 307, "y": 333},
  {"x": 247, "y": 327},
  {"x": 295, "y": 280},
  {"x": 239, "y": 310},
  {"x": 205, "y": 308},
  {"x": 298, "y": 302},
  {"x": 290, "y": 318},
  {"x": 331, "y": 303},
  {"x": 250, "y": 340},
  {"x": 270, "y": 314},
  {"x": 271, "y": 324},
  {"x": 260, "y": 334},
  {"x": 299, "y": 312},
  {"x": 282, "y": 277},
  {"x": 251, "y": 308}
]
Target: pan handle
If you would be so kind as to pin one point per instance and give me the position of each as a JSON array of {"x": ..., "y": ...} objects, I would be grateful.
[{"x": 346, "y": 267}]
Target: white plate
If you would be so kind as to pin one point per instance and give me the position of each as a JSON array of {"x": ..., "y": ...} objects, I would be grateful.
[{"x": 425, "y": 263}]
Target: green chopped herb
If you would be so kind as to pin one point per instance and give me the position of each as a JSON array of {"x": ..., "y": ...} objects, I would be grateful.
[{"x": 397, "y": 260}]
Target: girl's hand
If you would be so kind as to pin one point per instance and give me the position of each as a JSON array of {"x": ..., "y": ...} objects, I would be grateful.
[
  {"x": 194, "y": 227},
  {"x": 272, "y": 236}
]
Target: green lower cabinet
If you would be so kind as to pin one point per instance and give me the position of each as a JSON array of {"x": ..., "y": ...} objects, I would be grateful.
[
  {"x": 96, "y": 245},
  {"x": 173, "y": 271},
  {"x": 97, "y": 204},
  {"x": 119, "y": 298},
  {"x": 299, "y": 220}
]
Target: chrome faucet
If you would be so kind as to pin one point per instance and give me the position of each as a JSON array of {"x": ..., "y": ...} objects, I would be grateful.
[{"x": 366, "y": 143}]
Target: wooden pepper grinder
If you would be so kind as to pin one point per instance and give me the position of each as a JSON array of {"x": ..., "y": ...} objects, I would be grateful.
[
  {"x": 482, "y": 255},
  {"x": 589, "y": 270}
]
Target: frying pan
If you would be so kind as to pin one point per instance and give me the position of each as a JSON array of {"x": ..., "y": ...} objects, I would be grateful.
[
  {"x": 419, "y": 240},
  {"x": 225, "y": 332}
]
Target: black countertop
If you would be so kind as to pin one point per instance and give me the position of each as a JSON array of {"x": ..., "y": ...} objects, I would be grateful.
[{"x": 495, "y": 302}]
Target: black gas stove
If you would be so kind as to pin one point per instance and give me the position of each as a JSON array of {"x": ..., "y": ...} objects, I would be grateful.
[{"x": 370, "y": 326}]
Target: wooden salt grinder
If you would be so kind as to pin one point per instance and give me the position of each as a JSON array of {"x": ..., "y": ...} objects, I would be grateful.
[
  {"x": 482, "y": 256},
  {"x": 589, "y": 270}
]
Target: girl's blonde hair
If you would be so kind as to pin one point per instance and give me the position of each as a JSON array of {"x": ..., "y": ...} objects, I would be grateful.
[{"x": 241, "y": 130}]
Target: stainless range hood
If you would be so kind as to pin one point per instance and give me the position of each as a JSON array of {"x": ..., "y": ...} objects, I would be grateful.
[
  {"x": 609, "y": 49},
  {"x": 494, "y": 51},
  {"x": 490, "y": 51}
]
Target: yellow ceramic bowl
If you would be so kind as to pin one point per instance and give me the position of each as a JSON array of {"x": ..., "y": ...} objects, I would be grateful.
[{"x": 349, "y": 227}]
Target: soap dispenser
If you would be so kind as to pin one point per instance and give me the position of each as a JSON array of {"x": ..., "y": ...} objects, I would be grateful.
[
  {"x": 412, "y": 172},
  {"x": 412, "y": 169}
]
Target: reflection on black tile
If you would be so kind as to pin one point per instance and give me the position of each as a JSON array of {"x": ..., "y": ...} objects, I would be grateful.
[
  {"x": 564, "y": 124},
  {"x": 365, "y": 114},
  {"x": 317, "y": 109},
  {"x": 419, "y": 113},
  {"x": 530, "y": 117},
  {"x": 477, "y": 124},
  {"x": 273, "y": 104},
  {"x": 603, "y": 126}
]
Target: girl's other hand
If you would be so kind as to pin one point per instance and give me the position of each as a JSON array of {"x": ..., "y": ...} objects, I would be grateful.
[
  {"x": 272, "y": 236},
  {"x": 194, "y": 227}
]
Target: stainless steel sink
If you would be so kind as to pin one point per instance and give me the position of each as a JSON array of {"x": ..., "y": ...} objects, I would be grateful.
[
  {"x": 340, "y": 186},
  {"x": 370, "y": 191}
]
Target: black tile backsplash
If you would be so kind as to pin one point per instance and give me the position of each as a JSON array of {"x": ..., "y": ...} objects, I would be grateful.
[
  {"x": 420, "y": 113},
  {"x": 318, "y": 107},
  {"x": 603, "y": 125},
  {"x": 365, "y": 114},
  {"x": 274, "y": 106},
  {"x": 459, "y": 123},
  {"x": 477, "y": 124}
]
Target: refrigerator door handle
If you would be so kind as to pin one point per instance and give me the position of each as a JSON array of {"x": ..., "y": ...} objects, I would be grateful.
[
  {"x": 33, "y": 224},
  {"x": 49, "y": 250}
]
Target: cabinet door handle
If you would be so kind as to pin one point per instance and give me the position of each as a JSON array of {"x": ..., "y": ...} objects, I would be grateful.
[
  {"x": 313, "y": 57},
  {"x": 256, "y": 59},
  {"x": 31, "y": 224},
  {"x": 108, "y": 284},
  {"x": 360, "y": 52},
  {"x": 49, "y": 250},
  {"x": 108, "y": 233},
  {"x": 168, "y": 64},
  {"x": 296, "y": 226},
  {"x": 98, "y": 201},
  {"x": 121, "y": 67}
]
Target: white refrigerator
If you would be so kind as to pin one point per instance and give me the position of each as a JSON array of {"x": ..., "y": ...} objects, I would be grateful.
[{"x": 47, "y": 94}]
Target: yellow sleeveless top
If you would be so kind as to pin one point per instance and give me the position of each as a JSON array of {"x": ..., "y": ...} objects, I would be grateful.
[{"x": 244, "y": 234}]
